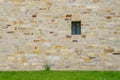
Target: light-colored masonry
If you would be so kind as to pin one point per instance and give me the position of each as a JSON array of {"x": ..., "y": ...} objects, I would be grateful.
[{"x": 34, "y": 33}]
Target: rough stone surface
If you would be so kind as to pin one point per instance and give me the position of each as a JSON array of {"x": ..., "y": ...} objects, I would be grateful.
[{"x": 34, "y": 33}]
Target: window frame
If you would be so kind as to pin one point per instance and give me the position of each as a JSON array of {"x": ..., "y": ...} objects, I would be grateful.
[{"x": 76, "y": 28}]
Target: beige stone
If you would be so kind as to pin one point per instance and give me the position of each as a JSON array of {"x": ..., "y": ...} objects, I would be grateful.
[
  {"x": 101, "y": 27},
  {"x": 91, "y": 54},
  {"x": 36, "y": 51},
  {"x": 110, "y": 50},
  {"x": 87, "y": 60},
  {"x": 38, "y": 32},
  {"x": 11, "y": 58},
  {"x": 1, "y": 1},
  {"x": 58, "y": 47},
  {"x": 35, "y": 63},
  {"x": 25, "y": 64},
  {"x": 91, "y": 46}
]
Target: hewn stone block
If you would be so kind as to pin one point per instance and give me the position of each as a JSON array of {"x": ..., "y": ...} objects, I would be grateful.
[
  {"x": 58, "y": 47},
  {"x": 116, "y": 53},
  {"x": 11, "y": 58},
  {"x": 37, "y": 50},
  {"x": 91, "y": 46},
  {"x": 108, "y": 17},
  {"x": 74, "y": 40},
  {"x": 110, "y": 50},
  {"x": 11, "y": 32}
]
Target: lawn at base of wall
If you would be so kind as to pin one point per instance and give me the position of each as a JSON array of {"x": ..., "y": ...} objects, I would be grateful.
[{"x": 60, "y": 75}]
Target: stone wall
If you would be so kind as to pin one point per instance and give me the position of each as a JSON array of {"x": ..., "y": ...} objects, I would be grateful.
[{"x": 34, "y": 33}]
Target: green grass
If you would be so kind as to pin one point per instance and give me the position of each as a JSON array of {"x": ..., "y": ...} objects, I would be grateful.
[{"x": 60, "y": 75}]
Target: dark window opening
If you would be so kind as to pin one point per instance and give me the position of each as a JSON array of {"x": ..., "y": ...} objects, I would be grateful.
[{"x": 76, "y": 27}]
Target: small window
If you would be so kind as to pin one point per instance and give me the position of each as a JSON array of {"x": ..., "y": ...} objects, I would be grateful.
[{"x": 76, "y": 27}]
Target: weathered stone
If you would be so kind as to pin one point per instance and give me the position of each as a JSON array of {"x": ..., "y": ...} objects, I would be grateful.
[
  {"x": 87, "y": 60},
  {"x": 11, "y": 58},
  {"x": 11, "y": 32},
  {"x": 8, "y": 25},
  {"x": 69, "y": 15},
  {"x": 68, "y": 36},
  {"x": 25, "y": 64},
  {"x": 36, "y": 50},
  {"x": 74, "y": 40},
  {"x": 116, "y": 53},
  {"x": 42, "y": 40},
  {"x": 108, "y": 10},
  {"x": 16, "y": 0},
  {"x": 58, "y": 47},
  {"x": 47, "y": 24},
  {"x": 0, "y": 36},
  {"x": 108, "y": 17},
  {"x": 96, "y": 0},
  {"x": 89, "y": 9},
  {"x": 35, "y": 63},
  {"x": 51, "y": 32},
  {"x": 36, "y": 40},
  {"x": 110, "y": 50},
  {"x": 24, "y": 59},
  {"x": 28, "y": 33},
  {"x": 14, "y": 22},
  {"x": 91, "y": 55},
  {"x": 101, "y": 27},
  {"x": 20, "y": 23},
  {"x": 83, "y": 36},
  {"x": 91, "y": 46},
  {"x": 34, "y": 15},
  {"x": 48, "y": 53}
]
